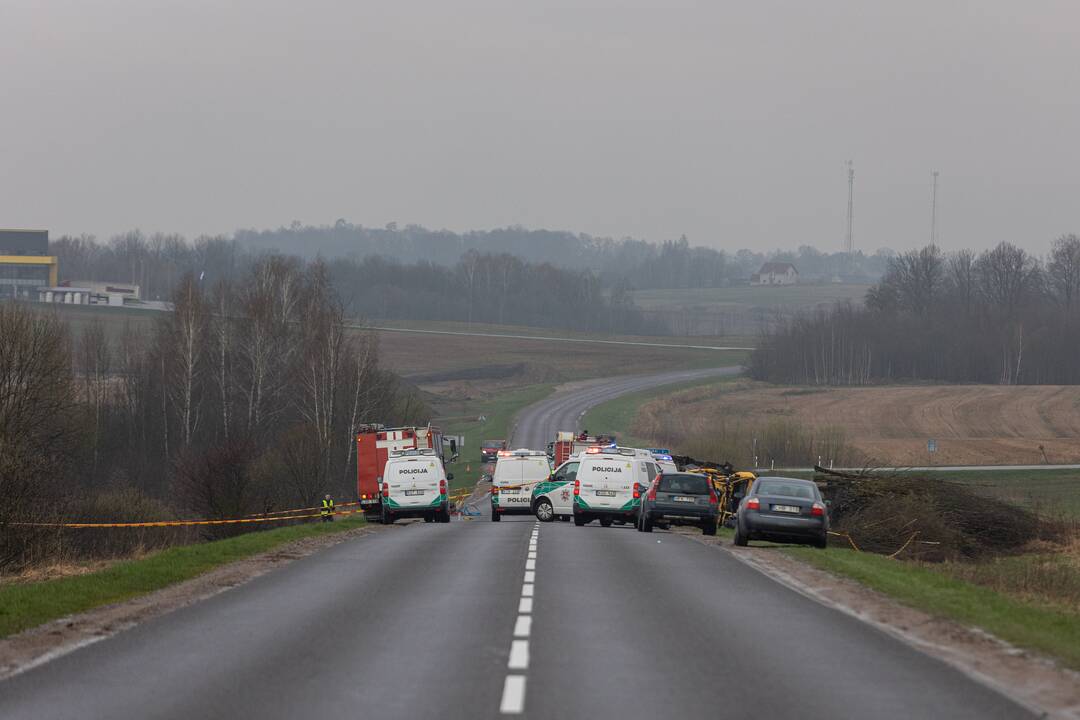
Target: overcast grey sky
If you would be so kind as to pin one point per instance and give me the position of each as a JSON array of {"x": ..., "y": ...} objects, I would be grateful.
[{"x": 727, "y": 121}]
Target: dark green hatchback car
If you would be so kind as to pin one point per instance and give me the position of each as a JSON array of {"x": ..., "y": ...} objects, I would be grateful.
[{"x": 679, "y": 499}]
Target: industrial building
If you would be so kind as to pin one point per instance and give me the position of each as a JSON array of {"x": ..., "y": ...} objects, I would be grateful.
[{"x": 25, "y": 263}]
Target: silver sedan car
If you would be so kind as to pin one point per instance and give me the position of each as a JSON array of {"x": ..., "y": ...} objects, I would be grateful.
[{"x": 783, "y": 510}]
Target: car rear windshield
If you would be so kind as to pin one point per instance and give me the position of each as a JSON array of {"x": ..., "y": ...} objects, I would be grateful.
[
  {"x": 784, "y": 488},
  {"x": 688, "y": 484}
]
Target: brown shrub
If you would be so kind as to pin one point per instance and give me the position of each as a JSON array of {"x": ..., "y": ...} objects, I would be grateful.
[{"x": 882, "y": 512}]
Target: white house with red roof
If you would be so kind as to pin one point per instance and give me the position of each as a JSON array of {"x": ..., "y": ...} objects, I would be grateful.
[{"x": 775, "y": 273}]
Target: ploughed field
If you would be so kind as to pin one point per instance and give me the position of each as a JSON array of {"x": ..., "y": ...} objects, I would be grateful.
[
  {"x": 972, "y": 424},
  {"x": 440, "y": 359}
]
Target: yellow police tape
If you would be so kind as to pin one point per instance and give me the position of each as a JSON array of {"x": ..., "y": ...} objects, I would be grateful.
[
  {"x": 181, "y": 523},
  {"x": 274, "y": 516}
]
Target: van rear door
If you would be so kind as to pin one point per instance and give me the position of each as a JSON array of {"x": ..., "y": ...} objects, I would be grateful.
[
  {"x": 519, "y": 475},
  {"x": 413, "y": 481},
  {"x": 607, "y": 481}
]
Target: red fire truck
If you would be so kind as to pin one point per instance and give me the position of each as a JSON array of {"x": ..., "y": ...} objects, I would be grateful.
[
  {"x": 568, "y": 444},
  {"x": 374, "y": 443}
]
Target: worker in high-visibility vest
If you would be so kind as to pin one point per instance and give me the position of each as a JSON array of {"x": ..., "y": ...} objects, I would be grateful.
[{"x": 327, "y": 511}]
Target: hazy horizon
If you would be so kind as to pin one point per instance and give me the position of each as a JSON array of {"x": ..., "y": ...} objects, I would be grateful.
[{"x": 730, "y": 124}]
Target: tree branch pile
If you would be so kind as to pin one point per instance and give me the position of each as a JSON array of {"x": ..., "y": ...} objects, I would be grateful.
[{"x": 949, "y": 520}]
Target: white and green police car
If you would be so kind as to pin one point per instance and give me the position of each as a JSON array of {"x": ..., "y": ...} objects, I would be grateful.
[
  {"x": 414, "y": 484},
  {"x": 517, "y": 472},
  {"x": 602, "y": 484}
]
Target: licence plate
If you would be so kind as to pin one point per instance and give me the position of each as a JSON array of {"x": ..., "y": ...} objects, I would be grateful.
[
  {"x": 787, "y": 508},
  {"x": 605, "y": 493},
  {"x": 509, "y": 492},
  {"x": 414, "y": 492},
  {"x": 683, "y": 498}
]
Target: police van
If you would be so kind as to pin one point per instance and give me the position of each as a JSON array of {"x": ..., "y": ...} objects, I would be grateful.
[
  {"x": 516, "y": 473},
  {"x": 414, "y": 484},
  {"x": 602, "y": 484}
]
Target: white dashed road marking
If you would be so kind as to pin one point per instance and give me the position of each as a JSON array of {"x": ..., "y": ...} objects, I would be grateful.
[{"x": 513, "y": 696}]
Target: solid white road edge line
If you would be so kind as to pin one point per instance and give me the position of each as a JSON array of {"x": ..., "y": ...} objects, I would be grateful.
[{"x": 513, "y": 697}]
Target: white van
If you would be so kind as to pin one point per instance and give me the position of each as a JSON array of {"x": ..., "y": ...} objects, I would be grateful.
[
  {"x": 602, "y": 484},
  {"x": 414, "y": 484},
  {"x": 516, "y": 473}
]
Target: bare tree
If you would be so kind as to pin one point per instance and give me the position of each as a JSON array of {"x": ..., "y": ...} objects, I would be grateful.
[
  {"x": 1063, "y": 271},
  {"x": 963, "y": 279},
  {"x": 918, "y": 277},
  {"x": 321, "y": 366},
  {"x": 1008, "y": 277},
  {"x": 36, "y": 403},
  {"x": 222, "y": 332},
  {"x": 267, "y": 341},
  {"x": 186, "y": 343},
  {"x": 95, "y": 367}
]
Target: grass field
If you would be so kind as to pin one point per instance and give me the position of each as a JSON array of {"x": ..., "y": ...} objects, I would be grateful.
[
  {"x": 462, "y": 418},
  {"x": 617, "y": 416},
  {"x": 1052, "y": 493},
  {"x": 26, "y": 605},
  {"x": 440, "y": 359},
  {"x": 1050, "y": 628},
  {"x": 786, "y": 297},
  {"x": 890, "y": 426}
]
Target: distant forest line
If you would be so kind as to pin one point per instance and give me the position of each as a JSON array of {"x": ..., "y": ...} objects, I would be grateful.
[
  {"x": 509, "y": 276},
  {"x": 1001, "y": 316}
]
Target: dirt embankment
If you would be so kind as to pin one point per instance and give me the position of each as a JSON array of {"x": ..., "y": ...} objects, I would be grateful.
[{"x": 972, "y": 424}]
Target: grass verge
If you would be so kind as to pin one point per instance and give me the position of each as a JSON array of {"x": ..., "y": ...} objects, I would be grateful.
[
  {"x": 24, "y": 606},
  {"x": 498, "y": 413},
  {"x": 1050, "y": 630}
]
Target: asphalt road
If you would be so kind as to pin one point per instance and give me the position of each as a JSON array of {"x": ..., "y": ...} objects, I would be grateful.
[
  {"x": 536, "y": 426},
  {"x": 476, "y": 619}
]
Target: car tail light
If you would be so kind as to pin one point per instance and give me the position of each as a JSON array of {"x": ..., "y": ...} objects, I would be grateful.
[
  {"x": 713, "y": 500},
  {"x": 753, "y": 504},
  {"x": 386, "y": 489},
  {"x": 577, "y": 487},
  {"x": 637, "y": 491},
  {"x": 652, "y": 491},
  {"x": 442, "y": 487},
  {"x": 817, "y": 510},
  {"x": 494, "y": 489}
]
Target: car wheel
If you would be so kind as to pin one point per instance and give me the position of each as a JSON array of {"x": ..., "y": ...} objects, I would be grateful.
[
  {"x": 387, "y": 517},
  {"x": 429, "y": 518},
  {"x": 580, "y": 520},
  {"x": 740, "y": 539},
  {"x": 494, "y": 515},
  {"x": 708, "y": 527},
  {"x": 605, "y": 522},
  {"x": 646, "y": 524},
  {"x": 544, "y": 511},
  {"x": 444, "y": 515},
  {"x": 822, "y": 542}
]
